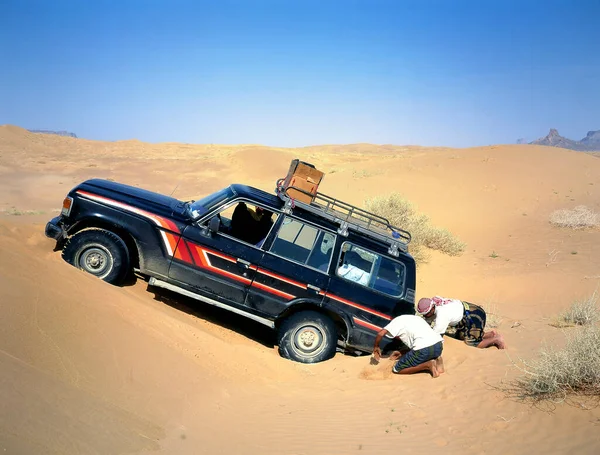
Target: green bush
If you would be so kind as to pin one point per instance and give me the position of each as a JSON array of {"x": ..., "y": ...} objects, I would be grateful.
[{"x": 402, "y": 213}]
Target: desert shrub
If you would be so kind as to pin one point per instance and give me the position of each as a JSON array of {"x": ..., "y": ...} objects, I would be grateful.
[
  {"x": 403, "y": 214},
  {"x": 582, "y": 312},
  {"x": 556, "y": 373},
  {"x": 578, "y": 218},
  {"x": 493, "y": 319},
  {"x": 16, "y": 212}
]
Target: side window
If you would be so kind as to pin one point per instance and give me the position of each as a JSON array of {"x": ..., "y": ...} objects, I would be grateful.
[
  {"x": 304, "y": 244},
  {"x": 370, "y": 270},
  {"x": 246, "y": 222}
]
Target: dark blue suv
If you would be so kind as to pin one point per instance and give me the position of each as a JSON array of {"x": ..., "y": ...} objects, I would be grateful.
[{"x": 324, "y": 274}]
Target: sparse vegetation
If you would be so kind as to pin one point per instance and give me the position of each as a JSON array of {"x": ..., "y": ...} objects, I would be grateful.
[
  {"x": 493, "y": 255},
  {"x": 16, "y": 212},
  {"x": 580, "y": 217},
  {"x": 365, "y": 173},
  {"x": 556, "y": 373},
  {"x": 582, "y": 312},
  {"x": 493, "y": 319},
  {"x": 403, "y": 214}
]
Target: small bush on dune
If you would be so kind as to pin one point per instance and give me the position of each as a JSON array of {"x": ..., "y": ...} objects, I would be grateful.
[
  {"x": 493, "y": 319},
  {"x": 582, "y": 312},
  {"x": 579, "y": 218},
  {"x": 443, "y": 240},
  {"x": 402, "y": 213},
  {"x": 575, "y": 369}
]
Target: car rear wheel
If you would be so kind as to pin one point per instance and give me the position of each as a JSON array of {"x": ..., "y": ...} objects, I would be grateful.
[
  {"x": 307, "y": 337},
  {"x": 100, "y": 253}
]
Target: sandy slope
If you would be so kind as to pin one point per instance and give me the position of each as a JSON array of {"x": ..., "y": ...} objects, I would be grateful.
[{"x": 90, "y": 368}]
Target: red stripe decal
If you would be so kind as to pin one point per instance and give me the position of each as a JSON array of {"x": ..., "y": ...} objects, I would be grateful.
[
  {"x": 278, "y": 277},
  {"x": 356, "y": 305},
  {"x": 216, "y": 253},
  {"x": 171, "y": 225},
  {"x": 201, "y": 260},
  {"x": 196, "y": 255},
  {"x": 272, "y": 290},
  {"x": 172, "y": 240},
  {"x": 159, "y": 220},
  {"x": 366, "y": 324},
  {"x": 183, "y": 253},
  {"x": 231, "y": 275},
  {"x": 221, "y": 255}
]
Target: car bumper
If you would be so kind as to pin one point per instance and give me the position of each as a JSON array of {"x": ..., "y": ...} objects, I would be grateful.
[{"x": 55, "y": 229}]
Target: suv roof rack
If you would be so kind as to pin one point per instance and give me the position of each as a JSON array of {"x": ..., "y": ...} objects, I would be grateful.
[{"x": 348, "y": 216}]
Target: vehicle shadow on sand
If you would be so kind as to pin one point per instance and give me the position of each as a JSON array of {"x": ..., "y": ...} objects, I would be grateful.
[{"x": 246, "y": 327}]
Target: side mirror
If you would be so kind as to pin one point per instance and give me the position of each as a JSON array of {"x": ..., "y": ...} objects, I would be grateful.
[
  {"x": 214, "y": 224},
  {"x": 211, "y": 227}
]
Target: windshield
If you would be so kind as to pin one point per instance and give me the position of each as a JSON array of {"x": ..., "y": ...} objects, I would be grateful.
[{"x": 204, "y": 205}]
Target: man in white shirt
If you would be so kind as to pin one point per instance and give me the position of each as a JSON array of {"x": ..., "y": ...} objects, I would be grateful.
[
  {"x": 467, "y": 318},
  {"x": 425, "y": 346}
]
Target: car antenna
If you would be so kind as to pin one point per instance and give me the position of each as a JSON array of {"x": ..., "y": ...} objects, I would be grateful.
[{"x": 174, "y": 189}]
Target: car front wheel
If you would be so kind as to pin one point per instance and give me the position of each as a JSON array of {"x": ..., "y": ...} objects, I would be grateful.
[
  {"x": 100, "y": 253},
  {"x": 307, "y": 337}
]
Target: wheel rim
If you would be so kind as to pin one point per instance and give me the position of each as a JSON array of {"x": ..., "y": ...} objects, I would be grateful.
[
  {"x": 308, "y": 340},
  {"x": 97, "y": 260}
]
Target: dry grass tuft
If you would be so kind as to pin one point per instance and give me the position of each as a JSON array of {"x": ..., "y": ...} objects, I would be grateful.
[
  {"x": 582, "y": 312},
  {"x": 493, "y": 319},
  {"x": 557, "y": 373},
  {"x": 402, "y": 213},
  {"x": 16, "y": 212},
  {"x": 580, "y": 217}
]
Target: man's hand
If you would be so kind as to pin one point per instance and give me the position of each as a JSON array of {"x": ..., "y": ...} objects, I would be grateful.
[
  {"x": 377, "y": 353},
  {"x": 376, "y": 348}
]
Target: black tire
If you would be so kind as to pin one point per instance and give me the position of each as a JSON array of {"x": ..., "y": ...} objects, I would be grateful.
[
  {"x": 100, "y": 253},
  {"x": 307, "y": 337}
]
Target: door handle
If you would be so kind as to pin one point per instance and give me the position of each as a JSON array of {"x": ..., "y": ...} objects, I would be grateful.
[
  {"x": 243, "y": 263},
  {"x": 313, "y": 288}
]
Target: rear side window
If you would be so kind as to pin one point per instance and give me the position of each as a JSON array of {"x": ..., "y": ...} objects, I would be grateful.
[
  {"x": 303, "y": 243},
  {"x": 371, "y": 270}
]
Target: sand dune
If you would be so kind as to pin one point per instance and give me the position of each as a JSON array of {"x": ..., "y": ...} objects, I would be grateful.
[{"x": 95, "y": 369}]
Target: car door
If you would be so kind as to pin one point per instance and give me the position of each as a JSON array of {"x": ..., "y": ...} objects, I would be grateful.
[
  {"x": 367, "y": 285},
  {"x": 217, "y": 263},
  {"x": 294, "y": 267}
]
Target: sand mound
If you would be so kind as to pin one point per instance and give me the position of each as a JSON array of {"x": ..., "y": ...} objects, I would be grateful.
[{"x": 91, "y": 368}]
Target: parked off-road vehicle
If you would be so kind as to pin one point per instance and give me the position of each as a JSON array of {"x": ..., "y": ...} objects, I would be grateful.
[{"x": 322, "y": 274}]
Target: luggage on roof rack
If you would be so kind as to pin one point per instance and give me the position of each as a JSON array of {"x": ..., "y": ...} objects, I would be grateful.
[
  {"x": 303, "y": 180},
  {"x": 347, "y": 216}
]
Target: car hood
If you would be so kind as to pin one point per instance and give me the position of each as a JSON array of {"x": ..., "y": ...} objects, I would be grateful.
[{"x": 137, "y": 197}]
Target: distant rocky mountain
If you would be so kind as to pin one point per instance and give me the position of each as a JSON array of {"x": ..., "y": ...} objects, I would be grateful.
[
  {"x": 590, "y": 143},
  {"x": 593, "y": 139},
  {"x": 58, "y": 133}
]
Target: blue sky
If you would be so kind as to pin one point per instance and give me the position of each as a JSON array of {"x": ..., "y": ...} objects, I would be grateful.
[{"x": 293, "y": 73}]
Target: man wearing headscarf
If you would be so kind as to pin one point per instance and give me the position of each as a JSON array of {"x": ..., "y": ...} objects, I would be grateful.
[{"x": 467, "y": 319}]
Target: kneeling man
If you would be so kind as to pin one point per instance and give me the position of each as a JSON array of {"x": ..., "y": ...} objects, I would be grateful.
[{"x": 425, "y": 346}]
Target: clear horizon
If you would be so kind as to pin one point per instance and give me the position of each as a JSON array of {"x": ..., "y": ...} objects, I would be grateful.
[{"x": 291, "y": 74}]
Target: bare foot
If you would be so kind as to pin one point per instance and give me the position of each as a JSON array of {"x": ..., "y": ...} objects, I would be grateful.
[
  {"x": 439, "y": 364},
  {"x": 395, "y": 355},
  {"x": 433, "y": 368},
  {"x": 500, "y": 344}
]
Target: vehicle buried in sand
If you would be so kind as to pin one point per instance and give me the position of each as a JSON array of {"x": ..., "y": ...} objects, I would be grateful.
[{"x": 322, "y": 273}]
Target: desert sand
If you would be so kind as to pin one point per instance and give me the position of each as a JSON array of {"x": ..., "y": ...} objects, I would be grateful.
[{"x": 89, "y": 368}]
